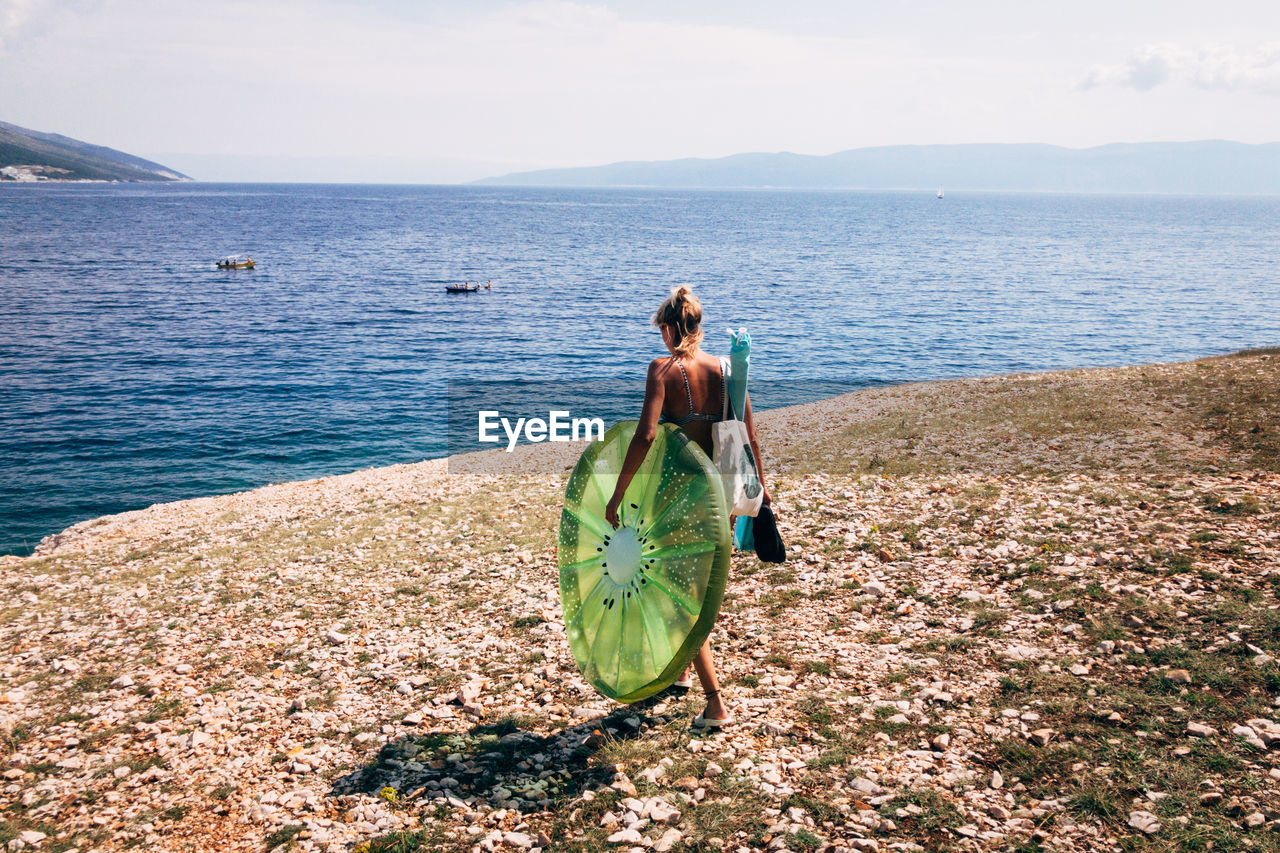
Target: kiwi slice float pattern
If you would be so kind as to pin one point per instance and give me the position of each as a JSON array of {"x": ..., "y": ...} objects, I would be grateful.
[{"x": 640, "y": 600}]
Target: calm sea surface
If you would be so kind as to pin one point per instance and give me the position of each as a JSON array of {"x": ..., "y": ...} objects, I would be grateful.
[{"x": 132, "y": 371}]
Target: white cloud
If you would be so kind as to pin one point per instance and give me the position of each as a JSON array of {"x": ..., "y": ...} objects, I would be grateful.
[
  {"x": 1218, "y": 67},
  {"x": 14, "y": 16},
  {"x": 22, "y": 18}
]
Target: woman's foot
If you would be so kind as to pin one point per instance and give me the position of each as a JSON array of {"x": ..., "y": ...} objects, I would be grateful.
[
  {"x": 703, "y": 722},
  {"x": 685, "y": 681},
  {"x": 715, "y": 715}
]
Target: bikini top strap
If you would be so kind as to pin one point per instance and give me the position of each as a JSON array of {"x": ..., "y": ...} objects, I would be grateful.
[{"x": 688, "y": 395}]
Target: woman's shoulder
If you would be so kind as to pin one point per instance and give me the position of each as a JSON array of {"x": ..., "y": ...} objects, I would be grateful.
[{"x": 659, "y": 367}]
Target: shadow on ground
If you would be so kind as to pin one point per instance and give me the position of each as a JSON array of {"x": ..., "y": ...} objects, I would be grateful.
[{"x": 501, "y": 763}]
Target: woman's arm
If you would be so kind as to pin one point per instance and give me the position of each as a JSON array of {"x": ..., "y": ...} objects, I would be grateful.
[
  {"x": 755, "y": 448},
  {"x": 645, "y": 433}
]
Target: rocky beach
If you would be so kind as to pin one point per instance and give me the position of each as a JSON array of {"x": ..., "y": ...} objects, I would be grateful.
[{"x": 1020, "y": 613}]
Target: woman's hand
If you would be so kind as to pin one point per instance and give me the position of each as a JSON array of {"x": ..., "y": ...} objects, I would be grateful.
[{"x": 611, "y": 511}]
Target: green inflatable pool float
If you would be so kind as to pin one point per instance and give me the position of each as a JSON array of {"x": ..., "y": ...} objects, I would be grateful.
[{"x": 640, "y": 600}]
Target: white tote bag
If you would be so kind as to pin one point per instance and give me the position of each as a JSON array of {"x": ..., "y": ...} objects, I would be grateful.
[{"x": 731, "y": 452}]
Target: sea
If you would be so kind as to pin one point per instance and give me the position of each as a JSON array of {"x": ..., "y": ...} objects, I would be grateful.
[{"x": 133, "y": 371}]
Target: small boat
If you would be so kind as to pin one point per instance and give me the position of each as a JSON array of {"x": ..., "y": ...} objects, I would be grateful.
[
  {"x": 940, "y": 194},
  {"x": 236, "y": 262},
  {"x": 462, "y": 288}
]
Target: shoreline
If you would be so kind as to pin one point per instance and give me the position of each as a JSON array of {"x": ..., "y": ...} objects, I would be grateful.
[
  {"x": 549, "y": 459},
  {"x": 993, "y": 584}
]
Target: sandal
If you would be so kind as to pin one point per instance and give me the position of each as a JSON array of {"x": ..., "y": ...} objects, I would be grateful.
[
  {"x": 686, "y": 683},
  {"x": 702, "y": 722}
]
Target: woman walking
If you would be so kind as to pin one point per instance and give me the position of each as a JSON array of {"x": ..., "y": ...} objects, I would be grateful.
[{"x": 688, "y": 390}]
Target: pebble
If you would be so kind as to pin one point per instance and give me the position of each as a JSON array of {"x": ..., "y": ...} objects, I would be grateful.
[
  {"x": 865, "y": 786},
  {"x": 668, "y": 840},
  {"x": 626, "y": 836},
  {"x": 1144, "y": 821},
  {"x": 1268, "y": 731},
  {"x": 1249, "y": 735},
  {"x": 470, "y": 692},
  {"x": 875, "y": 588}
]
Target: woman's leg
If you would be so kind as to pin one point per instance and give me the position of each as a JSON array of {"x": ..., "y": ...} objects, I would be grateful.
[
  {"x": 710, "y": 684},
  {"x": 704, "y": 654}
]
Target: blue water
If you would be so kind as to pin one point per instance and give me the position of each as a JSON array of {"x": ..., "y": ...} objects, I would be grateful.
[{"x": 132, "y": 371}]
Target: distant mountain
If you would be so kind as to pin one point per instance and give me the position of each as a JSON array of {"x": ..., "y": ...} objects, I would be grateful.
[
  {"x": 29, "y": 155},
  {"x": 1147, "y": 167}
]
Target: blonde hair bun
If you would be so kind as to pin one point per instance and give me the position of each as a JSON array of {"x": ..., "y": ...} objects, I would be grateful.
[{"x": 682, "y": 313}]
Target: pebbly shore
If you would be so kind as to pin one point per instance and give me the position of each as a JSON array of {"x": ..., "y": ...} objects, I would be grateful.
[{"x": 1022, "y": 612}]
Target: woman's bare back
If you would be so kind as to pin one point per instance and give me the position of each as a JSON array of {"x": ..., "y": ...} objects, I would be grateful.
[{"x": 703, "y": 372}]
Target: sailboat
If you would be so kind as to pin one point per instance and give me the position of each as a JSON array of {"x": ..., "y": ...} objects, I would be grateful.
[{"x": 940, "y": 194}]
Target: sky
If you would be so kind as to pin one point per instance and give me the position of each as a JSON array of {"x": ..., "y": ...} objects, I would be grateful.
[{"x": 417, "y": 91}]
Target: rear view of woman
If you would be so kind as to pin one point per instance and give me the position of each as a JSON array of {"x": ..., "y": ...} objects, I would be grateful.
[{"x": 686, "y": 389}]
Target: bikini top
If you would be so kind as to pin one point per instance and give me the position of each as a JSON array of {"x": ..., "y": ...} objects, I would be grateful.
[{"x": 696, "y": 416}]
